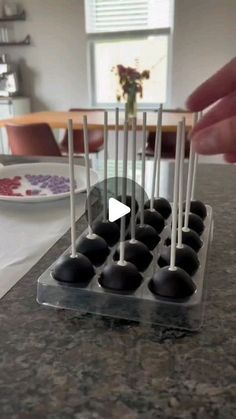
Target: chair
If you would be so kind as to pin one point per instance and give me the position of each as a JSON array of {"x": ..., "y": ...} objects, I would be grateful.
[
  {"x": 95, "y": 138},
  {"x": 168, "y": 145},
  {"x": 32, "y": 140}
]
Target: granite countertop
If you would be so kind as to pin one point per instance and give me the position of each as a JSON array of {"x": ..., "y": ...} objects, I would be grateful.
[{"x": 58, "y": 364}]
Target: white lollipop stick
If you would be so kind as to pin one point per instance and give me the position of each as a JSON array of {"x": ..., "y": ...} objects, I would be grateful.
[
  {"x": 194, "y": 175},
  {"x": 116, "y": 149},
  {"x": 157, "y": 159},
  {"x": 122, "y": 221},
  {"x": 105, "y": 166},
  {"x": 143, "y": 168},
  {"x": 85, "y": 128},
  {"x": 72, "y": 186},
  {"x": 133, "y": 223},
  {"x": 181, "y": 177},
  {"x": 125, "y": 158},
  {"x": 159, "y": 153},
  {"x": 189, "y": 180},
  {"x": 198, "y": 117},
  {"x": 175, "y": 198}
]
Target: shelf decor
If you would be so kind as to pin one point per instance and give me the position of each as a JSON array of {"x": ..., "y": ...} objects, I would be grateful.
[
  {"x": 13, "y": 18},
  {"x": 24, "y": 42}
]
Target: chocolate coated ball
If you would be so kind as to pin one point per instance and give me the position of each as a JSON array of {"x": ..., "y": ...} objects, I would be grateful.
[
  {"x": 176, "y": 284},
  {"x": 77, "y": 270},
  {"x": 95, "y": 249},
  {"x": 161, "y": 205},
  {"x": 117, "y": 277}
]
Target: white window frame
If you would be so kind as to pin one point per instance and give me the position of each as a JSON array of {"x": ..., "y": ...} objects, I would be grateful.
[{"x": 129, "y": 35}]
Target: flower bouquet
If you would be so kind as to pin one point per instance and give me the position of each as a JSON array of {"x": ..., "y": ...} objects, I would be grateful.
[{"x": 130, "y": 84}]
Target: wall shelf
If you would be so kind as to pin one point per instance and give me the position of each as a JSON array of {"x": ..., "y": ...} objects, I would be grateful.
[
  {"x": 25, "y": 42},
  {"x": 20, "y": 16}
]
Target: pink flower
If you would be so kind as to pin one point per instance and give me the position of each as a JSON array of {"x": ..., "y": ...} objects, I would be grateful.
[{"x": 130, "y": 80}]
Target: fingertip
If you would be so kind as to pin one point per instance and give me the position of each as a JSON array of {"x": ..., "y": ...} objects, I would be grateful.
[
  {"x": 188, "y": 103},
  {"x": 195, "y": 101},
  {"x": 191, "y": 104}
]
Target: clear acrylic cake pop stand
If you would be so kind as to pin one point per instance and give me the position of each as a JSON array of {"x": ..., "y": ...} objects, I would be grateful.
[{"x": 140, "y": 305}]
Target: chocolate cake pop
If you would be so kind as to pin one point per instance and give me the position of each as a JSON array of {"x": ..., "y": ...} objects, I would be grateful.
[
  {"x": 121, "y": 275},
  {"x": 186, "y": 235},
  {"x": 154, "y": 219},
  {"x": 185, "y": 257},
  {"x": 196, "y": 206},
  {"x": 151, "y": 216},
  {"x": 73, "y": 268},
  {"x": 91, "y": 245},
  {"x": 145, "y": 232},
  {"x": 108, "y": 231},
  {"x": 189, "y": 237},
  {"x": 104, "y": 228},
  {"x": 173, "y": 284},
  {"x": 194, "y": 223},
  {"x": 191, "y": 221},
  {"x": 161, "y": 205},
  {"x": 137, "y": 253},
  {"x": 171, "y": 281},
  {"x": 134, "y": 251}
]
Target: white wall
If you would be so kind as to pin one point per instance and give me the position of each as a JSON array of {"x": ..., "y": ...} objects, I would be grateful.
[
  {"x": 54, "y": 68},
  {"x": 204, "y": 40}
]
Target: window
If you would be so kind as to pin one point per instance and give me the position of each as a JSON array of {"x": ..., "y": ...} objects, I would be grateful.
[{"x": 132, "y": 33}]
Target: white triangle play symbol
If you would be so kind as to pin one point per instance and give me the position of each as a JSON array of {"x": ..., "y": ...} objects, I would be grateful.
[{"x": 117, "y": 209}]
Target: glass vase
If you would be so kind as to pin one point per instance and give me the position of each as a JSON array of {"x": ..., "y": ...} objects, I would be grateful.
[{"x": 131, "y": 105}]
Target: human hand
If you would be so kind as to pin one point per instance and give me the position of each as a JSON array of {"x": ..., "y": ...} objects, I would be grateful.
[{"x": 215, "y": 133}]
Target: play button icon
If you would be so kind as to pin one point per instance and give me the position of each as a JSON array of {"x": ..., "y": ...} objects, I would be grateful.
[
  {"x": 106, "y": 203},
  {"x": 117, "y": 210}
]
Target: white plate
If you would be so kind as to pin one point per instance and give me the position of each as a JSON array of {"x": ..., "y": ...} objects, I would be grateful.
[{"x": 59, "y": 169}]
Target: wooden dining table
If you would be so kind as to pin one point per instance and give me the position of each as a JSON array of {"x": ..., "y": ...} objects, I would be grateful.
[{"x": 59, "y": 119}]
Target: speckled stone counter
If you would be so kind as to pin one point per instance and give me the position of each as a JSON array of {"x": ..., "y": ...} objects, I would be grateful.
[{"x": 59, "y": 364}]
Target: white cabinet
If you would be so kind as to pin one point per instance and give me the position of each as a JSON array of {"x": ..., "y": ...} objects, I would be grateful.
[{"x": 9, "y": 108}]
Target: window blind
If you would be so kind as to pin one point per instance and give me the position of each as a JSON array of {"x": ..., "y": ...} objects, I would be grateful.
[{"x": 126, "y": 15}]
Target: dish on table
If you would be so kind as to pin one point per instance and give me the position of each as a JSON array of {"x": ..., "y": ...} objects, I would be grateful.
[{"x": 37, "y": 182}]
